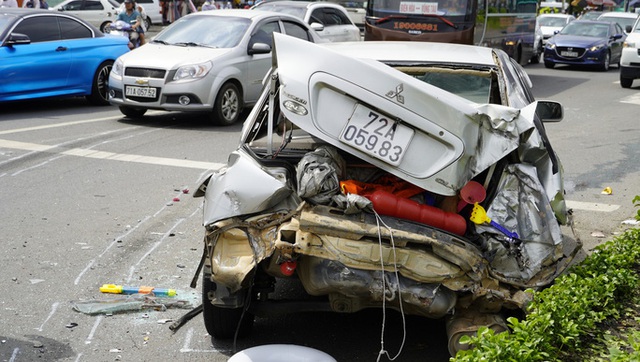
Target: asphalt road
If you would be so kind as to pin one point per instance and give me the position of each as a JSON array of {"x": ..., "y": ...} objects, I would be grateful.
[{"x": 89, "y": 197}]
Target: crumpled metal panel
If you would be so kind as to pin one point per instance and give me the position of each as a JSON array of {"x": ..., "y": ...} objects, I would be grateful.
[
  {"x": 244, "y": 187},
  {"x": 455, "y": 139},
  {"x": 521, "y": 205}
]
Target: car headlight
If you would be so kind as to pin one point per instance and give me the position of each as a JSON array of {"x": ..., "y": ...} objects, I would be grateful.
[
  {"x": 596, "y": 47},
  {"x": 627, "y": 44},
  {"x": 118, "y": 67},
  {"x": 550, "y": 45},
  {"x": 193, "y": 71}
]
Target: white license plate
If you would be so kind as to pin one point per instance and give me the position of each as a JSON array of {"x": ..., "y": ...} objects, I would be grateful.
[
  {"x": 569, "y": 54},
  {"x": 146, "y": 92},
  {"x": 375, "y": 134}
]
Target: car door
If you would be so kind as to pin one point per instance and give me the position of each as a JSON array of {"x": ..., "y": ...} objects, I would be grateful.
[
  {"x": 81, "y": 48},
  {"x": 258, "y": 65},
  {"x": 40, "y": 68},
  {"x": 337, "y": 25}
]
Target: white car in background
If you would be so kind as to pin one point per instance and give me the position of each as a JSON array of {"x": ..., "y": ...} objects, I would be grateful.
[
  {"x": 623, "y": 19},
  {"x": 549, "y": 24},
  {"x": 330, "y": 20},
  {"x": 630, "y": 59},
  {"x": 99, "y": 13}
]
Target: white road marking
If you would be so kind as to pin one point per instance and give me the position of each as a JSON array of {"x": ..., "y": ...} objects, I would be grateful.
[
  {"x": 93, "y": 330},
  {"x": 591, "y": 206},
  {"x": 103, "y": 155},
  {"x": 632, "y": 99},
  {"x": 187, "y": 341},
  {"x": 54, "y": 306},
  {"x": 37, "y": 128}
]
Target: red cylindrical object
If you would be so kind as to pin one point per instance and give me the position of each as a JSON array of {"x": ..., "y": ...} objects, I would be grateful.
[
  {"x": 288, "y": 267},
  {"x": 386, "y": 203}
]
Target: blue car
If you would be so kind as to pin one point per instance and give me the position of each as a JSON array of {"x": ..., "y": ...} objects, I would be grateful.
[
  {"x": 586, "y": 43},
  {"x": 51, "y": 54}
]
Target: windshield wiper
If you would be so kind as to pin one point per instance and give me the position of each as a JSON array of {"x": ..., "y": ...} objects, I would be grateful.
[
  {"x": 190, "y": 44},
  {"x": 440, "y": 17},
  {"x": 160, "y": 41}
]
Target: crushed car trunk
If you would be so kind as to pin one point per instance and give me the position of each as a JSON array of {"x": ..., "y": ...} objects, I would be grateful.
[{"x": 323, "y": 150}]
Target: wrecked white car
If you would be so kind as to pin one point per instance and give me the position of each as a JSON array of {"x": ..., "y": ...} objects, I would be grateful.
[{"x": 413, "y": 176}]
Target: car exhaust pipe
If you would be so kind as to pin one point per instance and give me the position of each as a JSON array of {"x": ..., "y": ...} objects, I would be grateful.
[{"x": 467, "y": 323}]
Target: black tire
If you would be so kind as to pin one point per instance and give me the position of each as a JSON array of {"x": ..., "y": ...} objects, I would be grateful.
[
  {"x": 222, "y": 323},
  {"x": 626, "y": 82},
  {"x": 228, "y": 105},
  {"x": 536, "y": 58},
  {"x": 104, "y": 25},
  {"x": 549, "y": 65},
  {"x": 132, "y": 112},
  {"x": 100, "y": 85},
  {"x": 607, "y": 63},
  {"x": 147, "y": 23}
]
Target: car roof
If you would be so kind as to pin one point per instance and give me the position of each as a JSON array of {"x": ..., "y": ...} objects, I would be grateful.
[
  {"x": 555, "y": 16},
  {"x": 389, "y": 51},
  {"x": 300, "y": 4},
  {"x": 618, "y": 14}
]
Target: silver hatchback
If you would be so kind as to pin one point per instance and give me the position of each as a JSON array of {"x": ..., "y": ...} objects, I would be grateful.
[{"x": 211, "y": 61}]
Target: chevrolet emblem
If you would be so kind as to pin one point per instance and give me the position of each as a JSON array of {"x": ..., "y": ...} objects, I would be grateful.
[{"x": 142, "y": 81}]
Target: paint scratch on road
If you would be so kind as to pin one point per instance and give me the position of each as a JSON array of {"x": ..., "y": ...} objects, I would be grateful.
[{"x": 54, "y": 306}]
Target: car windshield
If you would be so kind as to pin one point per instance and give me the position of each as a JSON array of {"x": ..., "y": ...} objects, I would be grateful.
[
  {"x": 552, "y": 21},
  {"x": 586, "y": 29},
  {"x": 4, "y": 22},
  {"x": 211, "y": 31},
  {"x": 620, "y": 20},
  {"x": 296, "y": 11},
  {"x": 469, "y": 84}
]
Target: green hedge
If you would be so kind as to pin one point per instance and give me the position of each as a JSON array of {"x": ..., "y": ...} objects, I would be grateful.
[{"x": 565, "y": 319}]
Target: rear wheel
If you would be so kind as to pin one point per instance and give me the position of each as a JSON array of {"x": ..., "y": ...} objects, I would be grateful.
[
  {"x": 100, "y": 85},
  {"x": 228, "y": 105},
  {"x": 220, "y": 322},
  {"x": 626, "y": 82},
  {"x": 132, "y": 112},
  {"x": 104, "y": 26}
]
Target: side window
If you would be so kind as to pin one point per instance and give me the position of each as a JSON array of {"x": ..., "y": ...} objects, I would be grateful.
[
  {"x": 93, "y": 5},
  {"x": 39, "y": 29},
  {"x": 71, "y": 29},
  {"x": 317, "y": 16},
  {"x": 296, "y": 30},
  {"x": 74, "y": 5},
  {"x": 264, "y": 34},
  {"x": 332, "y": 17},
  {"x": 343, "y": 19}
]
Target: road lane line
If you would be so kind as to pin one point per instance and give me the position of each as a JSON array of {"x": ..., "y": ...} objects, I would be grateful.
[
  {"x": 103, "y": 155},
  {"x": 591, "y": 206},
  {"x": 56, "y": 125},
  {"x": 54, "y": 306},
  {"x": 93, "y": 330}
]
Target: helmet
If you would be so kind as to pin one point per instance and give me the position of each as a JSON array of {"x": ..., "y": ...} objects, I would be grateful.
[{"x": 129, "y": 1}]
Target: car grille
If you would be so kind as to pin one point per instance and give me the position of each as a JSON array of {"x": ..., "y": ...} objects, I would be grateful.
[
  {"x": 145, "y": 72},
  {"x": 570, "y": 52}
]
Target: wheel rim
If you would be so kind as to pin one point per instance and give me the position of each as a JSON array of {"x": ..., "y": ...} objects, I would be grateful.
[
  {"x": 102, "y": 81},
  {"x": 229, "y": 104}
]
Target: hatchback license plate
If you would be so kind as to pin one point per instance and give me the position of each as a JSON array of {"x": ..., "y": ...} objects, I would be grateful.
[
  {"x": 569, "y": 54},
  {"x": 146, "y": 92},
  {"x": 375, "y": 134}
]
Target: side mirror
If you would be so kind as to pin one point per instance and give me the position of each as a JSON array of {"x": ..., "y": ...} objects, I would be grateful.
[
  {"x": 259, "y": 48},
  {"x": 316, "y": 27},
  {"x": 617, "y": 36},
  {"x": 17, "y": 39},
  {"x": 550, "y": 111},
  {"x": 628, "y": 28}
]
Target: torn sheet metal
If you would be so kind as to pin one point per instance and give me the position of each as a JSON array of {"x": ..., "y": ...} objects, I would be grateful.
[{"x": 521, "y": 205}]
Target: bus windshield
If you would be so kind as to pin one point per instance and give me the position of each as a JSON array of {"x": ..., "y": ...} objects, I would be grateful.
[{"x": 427, "y": 20}]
